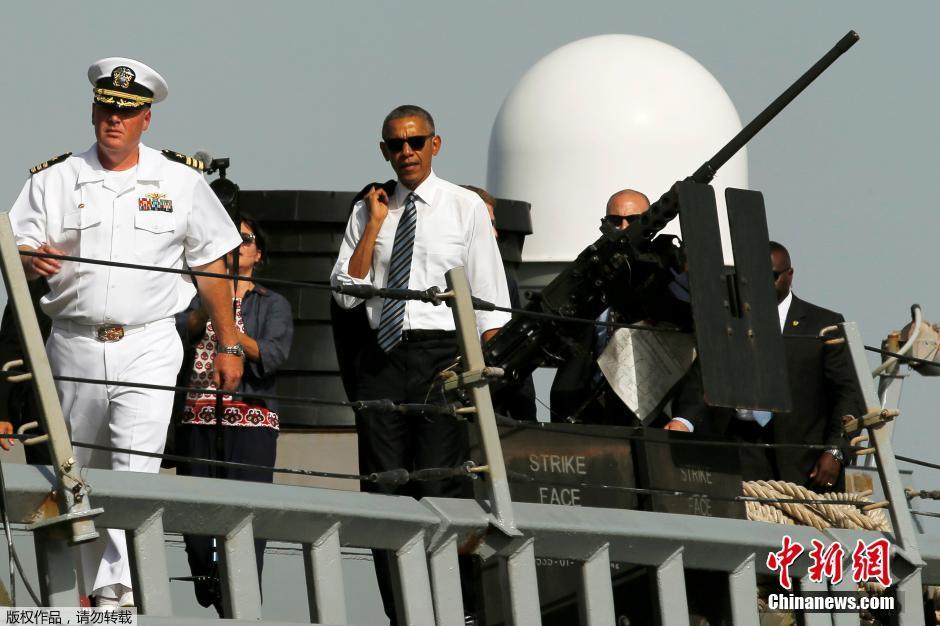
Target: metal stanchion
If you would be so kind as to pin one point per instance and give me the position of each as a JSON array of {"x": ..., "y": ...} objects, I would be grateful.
[
  {"x": 74, "y": 506},
  {"x": 497, "y": 483},
  {"x": 902, "y": 522}
]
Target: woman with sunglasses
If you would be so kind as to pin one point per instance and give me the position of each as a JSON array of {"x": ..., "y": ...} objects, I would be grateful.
[{"x": 265, "y": 330}]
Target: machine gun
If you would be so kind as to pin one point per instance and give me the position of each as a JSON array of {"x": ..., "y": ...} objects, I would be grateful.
[{"x": 733, "y": 309}]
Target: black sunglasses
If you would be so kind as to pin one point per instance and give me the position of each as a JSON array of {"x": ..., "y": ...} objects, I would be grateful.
[
  {"x": 417, "y": 142},
  {"x": 617, "y": 220},
  {"x": 248, "y": 238},
  {"x": 777, "y": 274}
]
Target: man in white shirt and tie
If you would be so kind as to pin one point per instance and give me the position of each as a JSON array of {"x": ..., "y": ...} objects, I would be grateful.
[{"x": 409, "y": 238}]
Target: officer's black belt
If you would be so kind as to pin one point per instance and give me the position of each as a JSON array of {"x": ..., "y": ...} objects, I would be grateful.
[{"x": 418, "y": 334}]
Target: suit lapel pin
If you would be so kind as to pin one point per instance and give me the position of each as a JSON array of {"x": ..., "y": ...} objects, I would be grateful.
[{"x": 796, "y": 322}]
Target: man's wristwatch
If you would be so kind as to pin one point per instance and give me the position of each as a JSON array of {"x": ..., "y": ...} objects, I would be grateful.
[
  {"x": 235, "y": 349},
  {"x": 837, "y": 455}
]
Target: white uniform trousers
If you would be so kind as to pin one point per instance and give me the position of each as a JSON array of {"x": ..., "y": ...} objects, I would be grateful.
[{"x": 122, "y": 417}]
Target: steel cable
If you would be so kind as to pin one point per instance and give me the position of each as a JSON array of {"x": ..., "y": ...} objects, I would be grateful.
[
  {"x": 359, "y": 405},
  {"x": 902, "y": 357},
  {"x": 483, "y": 305},
  {"x": 387, "y": 477},
  {"x": 433, "y": 295},
  {"x": 401, "y": 476},
  {"x": 509, "y": 422},
  {"x": 526, "y": 478},
  {"x": 922, "y": 494},
  {"x": 908, "y": 459},
  {"x": 359, "y": 291}
]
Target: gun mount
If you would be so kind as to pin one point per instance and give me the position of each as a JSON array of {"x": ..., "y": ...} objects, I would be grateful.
[{"x": 631, "y": 271}]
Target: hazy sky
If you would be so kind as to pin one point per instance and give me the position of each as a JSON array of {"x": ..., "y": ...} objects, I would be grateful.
[{"x": 294, "y": 93}]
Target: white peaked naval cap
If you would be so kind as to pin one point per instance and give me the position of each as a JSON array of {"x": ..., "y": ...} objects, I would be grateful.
[{"x": 122, "y": 83}]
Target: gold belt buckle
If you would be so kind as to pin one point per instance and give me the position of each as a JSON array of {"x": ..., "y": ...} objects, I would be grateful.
[{"x": 109, "y": 333}]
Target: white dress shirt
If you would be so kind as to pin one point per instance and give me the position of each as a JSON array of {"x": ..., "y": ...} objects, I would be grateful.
[
  {"x": 783, "y": 309},
  {"x": 159, "y": 214},
  {"x": 453, "y": 230}
]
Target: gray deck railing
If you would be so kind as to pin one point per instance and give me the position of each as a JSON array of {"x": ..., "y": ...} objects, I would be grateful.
[
  {"x": 424, "y": 536},
  {"x": 149, "y": 505}
]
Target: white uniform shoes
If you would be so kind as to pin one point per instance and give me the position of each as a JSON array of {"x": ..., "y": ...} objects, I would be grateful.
[{"x": 115, "y": 595}]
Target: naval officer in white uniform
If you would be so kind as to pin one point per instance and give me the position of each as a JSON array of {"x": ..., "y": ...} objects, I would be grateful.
[{"x": 122, "y": 201}]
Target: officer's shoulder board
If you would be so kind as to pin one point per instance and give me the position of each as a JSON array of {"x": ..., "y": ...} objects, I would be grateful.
[
  {"x": 47, "y": 164},
  {"x": 196, "y": 164}
]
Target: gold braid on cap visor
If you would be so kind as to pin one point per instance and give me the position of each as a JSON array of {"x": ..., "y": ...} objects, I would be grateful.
[{"x": 120, "y": 99}]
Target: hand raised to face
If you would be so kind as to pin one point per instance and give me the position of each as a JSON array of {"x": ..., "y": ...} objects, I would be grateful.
[{"x": 377, "y": 203}]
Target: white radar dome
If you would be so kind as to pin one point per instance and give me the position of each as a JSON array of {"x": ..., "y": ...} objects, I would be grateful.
[{"x": 603, "y": 114}]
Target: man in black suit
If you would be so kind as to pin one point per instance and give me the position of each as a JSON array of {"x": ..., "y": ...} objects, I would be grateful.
[
  {"x": 579, "y": 391},
  {"x": 823, "y": 388}
]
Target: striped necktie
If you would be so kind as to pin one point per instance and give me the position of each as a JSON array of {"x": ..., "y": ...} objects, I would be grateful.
[{"x": 399, "y": 271}]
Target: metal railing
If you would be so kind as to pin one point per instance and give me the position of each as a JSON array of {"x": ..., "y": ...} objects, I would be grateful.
[{"x": 424, "y": 536}]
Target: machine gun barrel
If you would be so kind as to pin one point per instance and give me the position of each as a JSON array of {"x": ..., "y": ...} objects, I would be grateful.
[
  {"x": 666, "y": 208},
  {"x": 707, "y": 171},
  {"x": 624, "y": 264}
]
